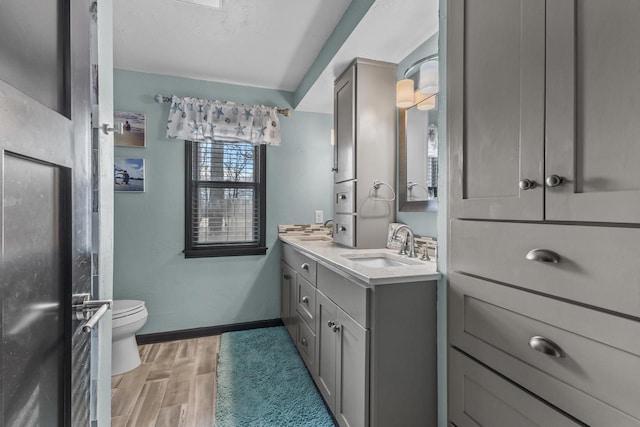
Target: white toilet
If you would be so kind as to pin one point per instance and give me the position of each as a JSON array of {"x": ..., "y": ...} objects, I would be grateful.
[{"x": 128, "y": 317}]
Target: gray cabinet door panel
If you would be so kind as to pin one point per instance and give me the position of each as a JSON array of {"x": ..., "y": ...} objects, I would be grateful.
[
  {"x": 326, "y": 311},
  {"x": 593, "y": 87},
  {"x": 344, "y": 123},
  {"x": 352, "y": 390},
  {"x": 478, "y": 397},
  {"x": 594, "y": 380},
  {"x": 496, "y": 107},
  {"x": 287, "y": 299}
]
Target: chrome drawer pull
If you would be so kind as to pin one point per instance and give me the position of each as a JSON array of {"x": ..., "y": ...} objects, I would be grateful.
[
  {"x": 543, "y": 255},
  {"x": 546, "y": 346},
  {"x": 305, "y": 266},
  {"x": 305, "y": 299}
]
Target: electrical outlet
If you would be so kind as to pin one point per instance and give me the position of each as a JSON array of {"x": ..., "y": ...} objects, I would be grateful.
[{"x": 319, "y": 217}]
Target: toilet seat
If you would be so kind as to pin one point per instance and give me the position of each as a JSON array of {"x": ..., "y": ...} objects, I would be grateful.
[{"x": 127, "y": 307}]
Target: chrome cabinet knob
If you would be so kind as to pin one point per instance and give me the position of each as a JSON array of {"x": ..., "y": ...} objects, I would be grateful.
[
  {"x": 343, "y": 197},
  {"x": 527, "y": 184},
  {"x": 334, "y": 169},
  {"x": 342, "y": 228},
  {"x": 305, "y": 266},
  {"x": 305, "y": 299},
  {"x": 554, "y": 180},
  {"x": 287, "y": 277},
  {"x": 303, "y": 341},
  {"x": 546, "y": 346},
  {"x": 331, "y": 323},
  {"x": 543, "y": 255},
  {"x": 336, "y": 328}
]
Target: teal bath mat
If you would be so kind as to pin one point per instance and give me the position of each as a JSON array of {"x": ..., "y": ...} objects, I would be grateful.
[{"x": 263, "y": 382}]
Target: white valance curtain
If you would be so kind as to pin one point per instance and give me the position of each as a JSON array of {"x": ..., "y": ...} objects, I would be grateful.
[{"x": 196, "y": 119}]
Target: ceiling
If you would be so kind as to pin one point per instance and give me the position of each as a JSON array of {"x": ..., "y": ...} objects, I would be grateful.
[{"x": 263, "y": 43}]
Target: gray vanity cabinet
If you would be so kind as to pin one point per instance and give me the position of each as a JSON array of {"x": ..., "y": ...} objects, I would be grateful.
[
  {"x": 543, "y": 110},
  {"x": 543, "y": 311},
  {"x": 371, "y": 349},
  {"x": 287, "y": 299},
  {"x": 342, "y": 359},
  {"x": 364, "y": 153}
]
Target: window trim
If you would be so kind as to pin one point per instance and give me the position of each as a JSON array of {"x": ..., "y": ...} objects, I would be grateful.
[{"x": 234, "y": 249}]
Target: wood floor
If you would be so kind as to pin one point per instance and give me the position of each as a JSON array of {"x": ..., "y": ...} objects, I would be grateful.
[{"x": 174, "y": 387}]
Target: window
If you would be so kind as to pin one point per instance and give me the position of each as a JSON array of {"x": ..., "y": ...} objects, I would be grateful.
[{"x": 225, "y": 199}]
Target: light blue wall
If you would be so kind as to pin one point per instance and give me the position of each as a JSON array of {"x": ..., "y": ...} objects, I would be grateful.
[
  {"x": 423, "y": 223},
  {"x": 149, "y": 228}
]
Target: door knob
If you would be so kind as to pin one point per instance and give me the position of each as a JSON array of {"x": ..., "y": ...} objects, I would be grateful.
[
  {"x": 546, "y": 346},
  {"x": 527, "y": 184},
  {"x": 554, "y": 180},
  {"x": 543, "y": 255},
  {"x": 119, "y": 129}
]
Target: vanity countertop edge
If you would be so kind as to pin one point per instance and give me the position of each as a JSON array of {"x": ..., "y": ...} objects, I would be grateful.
[{"x": 331, "y": 255}]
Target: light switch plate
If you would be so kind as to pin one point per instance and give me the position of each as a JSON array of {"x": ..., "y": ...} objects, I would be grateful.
[{"x": 319, "y": 217}]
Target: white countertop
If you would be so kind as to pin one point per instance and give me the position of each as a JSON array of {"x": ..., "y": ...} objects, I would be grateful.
[{"x": 334, "y": 256}]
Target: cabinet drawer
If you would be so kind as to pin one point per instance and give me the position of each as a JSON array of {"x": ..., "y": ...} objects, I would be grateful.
[
  {"x": 306, "y": 302},
  {"x": 595, "y": 377},
  {"x": 349, "y": 296},
  {"x": 479, "y": 397},
  {"x": 599, "y": 265},
  {"x": 344, "y": 229},
  {"x": 345, "y": 197},
  {"x": 306, "y": 345},
  {"x": 304, "y": 265}
]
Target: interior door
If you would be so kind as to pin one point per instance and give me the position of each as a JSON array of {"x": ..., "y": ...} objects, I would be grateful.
[
  {"x": 496, "y": 108},
  {"x": 593, "y": 87},
  {"x": 45, "y": 208}
]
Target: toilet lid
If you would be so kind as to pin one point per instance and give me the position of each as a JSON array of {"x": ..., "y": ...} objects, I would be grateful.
[{"x": 126, "y": 307}]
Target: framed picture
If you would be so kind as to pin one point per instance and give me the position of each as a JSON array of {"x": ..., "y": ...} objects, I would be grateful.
[
  {"x": 128, "y": 175},
  {"x": 133, "y": 125}
]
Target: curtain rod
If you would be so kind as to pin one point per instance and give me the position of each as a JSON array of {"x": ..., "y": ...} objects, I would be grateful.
[{"x": 160, "y": 99}]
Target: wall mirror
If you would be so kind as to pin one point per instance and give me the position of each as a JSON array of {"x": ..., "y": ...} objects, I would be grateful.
[{"x": 418, "y": 142}]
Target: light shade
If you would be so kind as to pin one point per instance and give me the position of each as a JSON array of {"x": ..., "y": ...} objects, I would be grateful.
[
  {"x": 424, "y": 101},
  {"x": 404, "y": 93},
  {"x": 429, "y": 77}
]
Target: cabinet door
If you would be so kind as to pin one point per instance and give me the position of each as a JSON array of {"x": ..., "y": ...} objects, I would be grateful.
[
  {"x": 326, "y": 317},
  {"x": 287, "y": 284},
  {"x": 344, "y": 123},
  {"x": 496, "y": 108},
  {"x": 352, "y": 362},
  {"x": 593, "y": 88}
]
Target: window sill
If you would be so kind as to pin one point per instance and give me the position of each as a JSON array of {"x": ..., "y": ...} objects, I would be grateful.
[{"x": 223, "y": 252}]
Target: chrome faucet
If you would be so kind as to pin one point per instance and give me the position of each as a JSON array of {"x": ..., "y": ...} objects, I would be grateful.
[
  {"x": 326, "y": 224},
  {"x": 412, "y": 248}
]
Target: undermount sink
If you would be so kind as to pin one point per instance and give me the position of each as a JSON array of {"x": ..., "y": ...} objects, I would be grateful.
[
  {"x": 379, "y": 260},
  {"x": 315, "y": 238}
]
